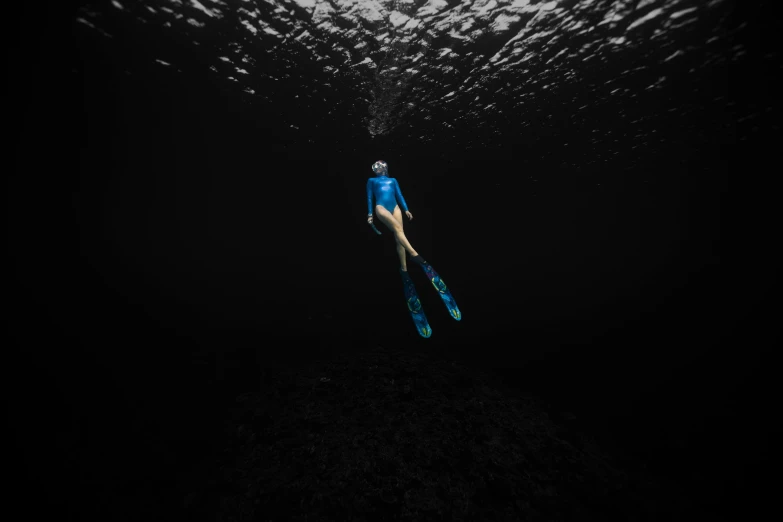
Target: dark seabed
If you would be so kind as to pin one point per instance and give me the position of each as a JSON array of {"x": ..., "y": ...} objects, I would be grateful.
[{"x": 203, "y": 327}]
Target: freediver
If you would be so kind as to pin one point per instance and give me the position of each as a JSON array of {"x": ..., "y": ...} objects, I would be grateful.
[
  {"x": 388, "y": 200},
  {"x": 387, "y": 194}
]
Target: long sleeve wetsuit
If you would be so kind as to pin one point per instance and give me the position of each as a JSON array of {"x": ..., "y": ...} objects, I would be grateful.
[{"x": 387, "y": 193}]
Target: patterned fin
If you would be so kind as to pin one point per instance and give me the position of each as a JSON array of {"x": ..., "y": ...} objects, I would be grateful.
[
  {"x": 414, "y": 306},
  {"x": 443, "y": 291}
]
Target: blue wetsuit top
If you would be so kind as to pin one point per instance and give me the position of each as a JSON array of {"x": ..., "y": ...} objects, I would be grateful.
[{"x": 387, "y": 194}]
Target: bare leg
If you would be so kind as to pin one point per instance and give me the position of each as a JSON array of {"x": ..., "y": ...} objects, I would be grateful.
[
  {"x": 401, "y": 255},
  {"x": 394, "y": 223}
]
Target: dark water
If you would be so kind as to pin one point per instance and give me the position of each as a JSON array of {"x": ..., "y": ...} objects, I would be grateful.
[{"x": 168, "y": 244}]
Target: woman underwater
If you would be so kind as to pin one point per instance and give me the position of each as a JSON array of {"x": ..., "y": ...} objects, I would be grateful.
[
  {"x": 388, "y": 200},
  {"x": 387, "y": 194}
]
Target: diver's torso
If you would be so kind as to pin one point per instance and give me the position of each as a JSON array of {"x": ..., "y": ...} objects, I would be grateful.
[
  {"x": 383, "y": 188},
  {"x": 383, "y": 184}
]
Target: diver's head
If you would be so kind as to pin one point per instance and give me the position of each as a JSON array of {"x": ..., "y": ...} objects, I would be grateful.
[{"x": 380, "y": 168}]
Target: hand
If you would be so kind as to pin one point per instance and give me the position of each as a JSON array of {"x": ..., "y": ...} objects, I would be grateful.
[
  {"x": 369, "y": 220},
  {"x": 410, "y": 216}
]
